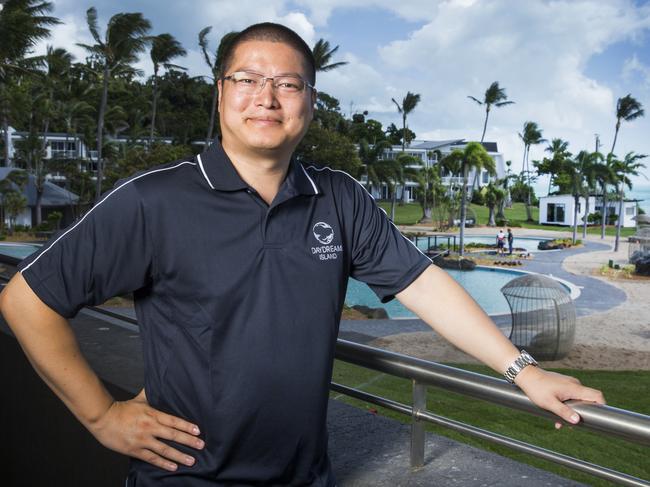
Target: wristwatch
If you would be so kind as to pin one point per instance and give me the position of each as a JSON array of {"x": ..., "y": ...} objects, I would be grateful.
[{"x": 518, "y": 365}]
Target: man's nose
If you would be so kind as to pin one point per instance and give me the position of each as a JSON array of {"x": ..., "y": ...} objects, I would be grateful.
[{"x": 266, "y": 97}]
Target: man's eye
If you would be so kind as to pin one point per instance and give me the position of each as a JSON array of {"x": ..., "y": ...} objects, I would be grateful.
[
  {"x": 246, "y": 81},
  {"x": 289, "y": 85}
]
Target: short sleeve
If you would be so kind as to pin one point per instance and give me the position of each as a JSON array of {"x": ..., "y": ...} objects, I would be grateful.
[
  {"x": 104, "y": 254},
  {"x": 381, "y": 256}
]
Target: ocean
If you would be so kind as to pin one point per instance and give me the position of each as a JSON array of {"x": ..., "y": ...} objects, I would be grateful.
[{"x": 640, "y": 192}]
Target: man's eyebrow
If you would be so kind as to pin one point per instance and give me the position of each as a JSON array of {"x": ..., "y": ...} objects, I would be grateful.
[{"x": 287, "y": 73}]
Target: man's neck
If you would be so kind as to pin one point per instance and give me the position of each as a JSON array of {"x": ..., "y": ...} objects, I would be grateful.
[{"x": 262, "y": 172}]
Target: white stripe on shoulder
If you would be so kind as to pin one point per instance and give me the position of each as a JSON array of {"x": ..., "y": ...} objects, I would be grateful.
[
  {"x": 362, "y": 186},
  {"x": 310, "y": 179},
  {"x": 108, "y": 195},
  {"x": 198, "y": 158}
]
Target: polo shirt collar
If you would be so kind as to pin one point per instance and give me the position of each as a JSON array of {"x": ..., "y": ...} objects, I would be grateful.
[{"x": 220, "y": 174}]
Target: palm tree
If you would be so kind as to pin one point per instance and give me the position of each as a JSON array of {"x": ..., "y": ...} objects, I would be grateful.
[
  {"x": 215, "y": 63},
  {"x": 124, "y": 39},
  {"x": 590, "y": 170},
  {"x": 629, "y": 166},
  {"x": 532, "y": 135},
  {"x": 493, "y": 197},
  {"x": 370, "y": 156},
  {"x": 164, "y": 48},
  {"x": 409, "y": 102},
  {"x": 558, "y": 149},
  {"x": 23, "y": 23},
  {"x": 573, "y": 170},
  {"x": 605, "y": 175},
  {"x": 474, "y": 156},
  {"x": 494, "y": 96},
  {"x": 323, "y": 55},
  {"x": 628, "y": 109}
]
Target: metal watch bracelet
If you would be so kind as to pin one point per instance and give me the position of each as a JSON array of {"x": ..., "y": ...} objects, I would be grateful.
[{"x": 518, "y": 365}]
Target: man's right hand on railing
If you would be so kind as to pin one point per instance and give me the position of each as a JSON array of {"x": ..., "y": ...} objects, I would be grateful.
[{"x": 135, "y": 429}]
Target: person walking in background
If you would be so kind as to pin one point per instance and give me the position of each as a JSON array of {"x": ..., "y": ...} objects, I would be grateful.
[
  {"x": 501, "y": 242},
  {"x": 511, "y": 239}
]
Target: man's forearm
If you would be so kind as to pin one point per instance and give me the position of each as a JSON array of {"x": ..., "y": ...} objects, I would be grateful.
[
  {"x": 52, "y": 349},
  {"x": 445, "y": 306}
]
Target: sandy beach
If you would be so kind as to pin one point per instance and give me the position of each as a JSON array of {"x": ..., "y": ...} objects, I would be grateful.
[{"x": 617, "y": 339}]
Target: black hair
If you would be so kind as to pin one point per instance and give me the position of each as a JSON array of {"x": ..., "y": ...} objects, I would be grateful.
[{"x": 269, "y": 31}]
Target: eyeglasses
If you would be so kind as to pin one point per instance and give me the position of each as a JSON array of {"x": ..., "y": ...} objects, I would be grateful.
[{"x": 248, "y": 83}]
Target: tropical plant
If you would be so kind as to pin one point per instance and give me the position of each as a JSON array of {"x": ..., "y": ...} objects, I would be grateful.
[
  {"x": 558, "y": 149},
  {"x": 13, "y": 182},
  {"x": 494, "y": 195},
  {"x": 532, "y": 135},
  {"x": 473, "y": 156},
  {"x": 23, "y": 23},
  {"x": 409, "y": 102},
  {"x": 124, "y": 39},
  {"x": 590, "y": 170},
  {"x": 628, "y": 109},
  {"x": 215, "y": 63},
  {"x": 323, "y": 55},
  {"x": 625, "y": 168},
  {"x": 370, "y": 155},
  {"x": 605, "y": 176},
  {"x": 164, "y": 48},
  {"x": 494, "y": 96},
  {"x": 14, "y": 204}
]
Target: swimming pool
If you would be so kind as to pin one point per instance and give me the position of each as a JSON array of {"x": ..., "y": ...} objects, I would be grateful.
[
  {"x": 483, "y": 284},
  {"x": 528, "y": 243},
  {"x": 18, "y": 250}
]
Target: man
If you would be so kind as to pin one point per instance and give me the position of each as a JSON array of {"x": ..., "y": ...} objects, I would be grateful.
[
  {"x": 238, "y": 260},
  {"x": 501, "y": 242},
  {"x": 511, "y": 240}
]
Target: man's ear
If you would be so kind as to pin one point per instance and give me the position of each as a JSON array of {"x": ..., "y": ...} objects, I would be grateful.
[{"x": 314, "y": 97}]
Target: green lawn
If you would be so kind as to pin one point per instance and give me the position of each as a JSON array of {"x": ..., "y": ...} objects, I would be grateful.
[
  {"x": 627, "y": 390},
  {"x": 411, "y": 213}
]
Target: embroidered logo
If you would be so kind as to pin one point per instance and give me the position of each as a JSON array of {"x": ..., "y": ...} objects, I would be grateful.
[{"x": 323, "y": 233}]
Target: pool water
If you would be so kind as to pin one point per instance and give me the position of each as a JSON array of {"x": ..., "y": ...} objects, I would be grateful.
[
  {"x": 483, "y": 284},
  {"x": 18, "y": 250}
]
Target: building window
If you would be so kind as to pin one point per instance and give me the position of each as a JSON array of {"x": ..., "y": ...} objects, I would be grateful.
[
  {"x": 630, "y": 210},
  {"x": 486, "y": 177},
  {"x": 63, "y": 149},
  {"x": 555, "y": 213}
]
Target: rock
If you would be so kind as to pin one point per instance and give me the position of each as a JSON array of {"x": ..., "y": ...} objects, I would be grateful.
[
  {"x": 453, "y": 263},
  {"x": 372, "y": 313}
]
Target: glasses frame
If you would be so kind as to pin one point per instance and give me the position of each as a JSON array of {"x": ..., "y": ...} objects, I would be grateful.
[{"x": 272, "y": 78}]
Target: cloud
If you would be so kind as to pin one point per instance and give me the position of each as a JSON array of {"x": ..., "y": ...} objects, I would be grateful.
[{"x": 632, "y": 68}]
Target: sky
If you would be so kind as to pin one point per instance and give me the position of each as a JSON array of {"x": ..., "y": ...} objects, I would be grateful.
[{"x": 563, "y": 63}]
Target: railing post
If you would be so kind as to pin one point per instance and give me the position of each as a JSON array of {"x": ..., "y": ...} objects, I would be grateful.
[{"x": 417, "y": 425}]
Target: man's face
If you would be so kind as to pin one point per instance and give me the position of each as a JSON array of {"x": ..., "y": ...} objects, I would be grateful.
[{"x": 266, "y": 123}]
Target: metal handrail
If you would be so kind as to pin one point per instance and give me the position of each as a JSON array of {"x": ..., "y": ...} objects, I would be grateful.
[{"x": 628, "y": 425}]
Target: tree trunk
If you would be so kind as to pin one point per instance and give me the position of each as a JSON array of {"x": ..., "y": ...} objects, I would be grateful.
[
  {"x": 491, "y": 222},
  {"x": 463, "y": 211},
  {"x": 7, "y": 140},
  {"x": 576, "y": 201},
  {"x": 153, "y": 110},
  {"x": 487, "y": 114},
  {"x": 618, "y": 126},
  {"x": 213, "y": 111},
  {"x": 39, "y": 199},
  {"x": 603, "y": 213},
  {"x": 100, "y": 134},
  {"x": 619, "y": 220},
  {"x": 584, "y": 223},
  {"x": 393, "y": 201}
]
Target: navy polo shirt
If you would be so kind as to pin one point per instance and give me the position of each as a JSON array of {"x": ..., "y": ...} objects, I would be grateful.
[{"x": 238, "y": 303}]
